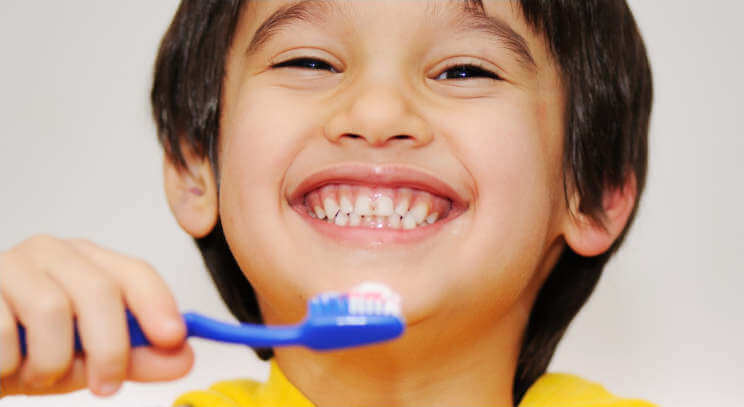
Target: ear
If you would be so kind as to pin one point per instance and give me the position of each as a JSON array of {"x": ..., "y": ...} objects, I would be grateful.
[
  {"x": 589, "y": 238},
  {"x": 192, "y": 193}
]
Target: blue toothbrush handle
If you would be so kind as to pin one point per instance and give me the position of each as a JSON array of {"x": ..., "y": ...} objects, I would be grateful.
[
  {"x": 136, "y": 336},
  {"x": 246, "y": 334},
  {"x": 203, "y": 327}
]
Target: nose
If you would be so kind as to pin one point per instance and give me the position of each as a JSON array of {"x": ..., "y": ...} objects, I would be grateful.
[{"x": 378, "y": 114}]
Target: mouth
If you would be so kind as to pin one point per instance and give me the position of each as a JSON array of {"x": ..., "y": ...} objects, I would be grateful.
[{"x": 376, "y": 204}]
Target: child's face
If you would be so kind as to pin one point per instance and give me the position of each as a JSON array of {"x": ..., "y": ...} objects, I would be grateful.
[{"x": 423, "y": 85}]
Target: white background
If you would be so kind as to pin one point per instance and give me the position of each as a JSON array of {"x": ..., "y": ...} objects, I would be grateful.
[{"x": 78, "y": 157}]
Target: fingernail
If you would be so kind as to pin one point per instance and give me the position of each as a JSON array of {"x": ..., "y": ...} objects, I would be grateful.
[{"x": 107, "y": 389}]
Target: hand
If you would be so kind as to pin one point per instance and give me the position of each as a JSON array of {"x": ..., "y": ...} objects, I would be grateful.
[{"x": 45, "y": 282}]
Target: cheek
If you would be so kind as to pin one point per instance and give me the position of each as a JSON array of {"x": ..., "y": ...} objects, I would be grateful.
[
  {"x": 511, "y": 164},
  {"x": 258, "y": 142},
  {"x": 512, "y": 160},
  {"x": 253, "y": 144}
]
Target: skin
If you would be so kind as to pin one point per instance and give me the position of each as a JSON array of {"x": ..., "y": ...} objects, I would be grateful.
[
  {"x": 45, "y": 281},
  {"x": 467, "y": 291}
]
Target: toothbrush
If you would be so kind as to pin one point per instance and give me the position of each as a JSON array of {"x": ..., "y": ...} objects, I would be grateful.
[{"x": 369, "y": 313}]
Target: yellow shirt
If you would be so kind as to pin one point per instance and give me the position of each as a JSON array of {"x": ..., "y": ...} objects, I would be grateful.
[{"x": 550, "y": 390}]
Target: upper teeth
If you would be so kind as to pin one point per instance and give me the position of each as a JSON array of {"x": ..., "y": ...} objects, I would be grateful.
[{"x": 353, "y": 205}]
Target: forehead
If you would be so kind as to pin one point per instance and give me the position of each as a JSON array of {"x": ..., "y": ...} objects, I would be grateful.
[{"x": 499, "y": 21}]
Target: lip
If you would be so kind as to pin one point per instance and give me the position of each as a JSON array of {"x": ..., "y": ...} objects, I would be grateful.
[{"x": 386, "y": 176}]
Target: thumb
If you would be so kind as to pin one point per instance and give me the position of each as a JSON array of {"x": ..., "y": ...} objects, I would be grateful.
[{"x": 149, "y": 364}]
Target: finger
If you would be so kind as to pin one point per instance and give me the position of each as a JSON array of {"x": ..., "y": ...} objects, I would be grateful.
[
  {"x": 145, "y": 292},
  {"x": 74, "y": 379},
  {"x": 46, "y": 316},
  {"x": 10, "y": 356},
  {"x": 146, "y": 364},
  {"x": 150, "y": 364},
  {"x": 98, "y": 304}
]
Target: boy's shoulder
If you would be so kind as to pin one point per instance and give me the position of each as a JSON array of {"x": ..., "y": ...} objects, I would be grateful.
[
  {"x": 569, "y": 390},
  {"x": 551, "y": 389}
]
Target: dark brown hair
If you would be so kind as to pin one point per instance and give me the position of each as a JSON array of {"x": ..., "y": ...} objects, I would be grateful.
[{"x": 605, "y": 71}]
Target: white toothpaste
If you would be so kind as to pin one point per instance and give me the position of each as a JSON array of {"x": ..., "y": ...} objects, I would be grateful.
[{"x": 374, "y": 298}]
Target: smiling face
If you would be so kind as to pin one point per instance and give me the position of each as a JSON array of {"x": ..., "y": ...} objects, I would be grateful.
[{"x": 334, "y": 103}]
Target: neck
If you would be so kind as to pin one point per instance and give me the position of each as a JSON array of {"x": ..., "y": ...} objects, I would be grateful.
[{"x": 474, "y": 366}]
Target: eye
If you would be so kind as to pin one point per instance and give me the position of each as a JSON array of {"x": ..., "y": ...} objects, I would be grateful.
[
  {"x": 306, "y": 63},
  {"x": 465, "y": 71}
]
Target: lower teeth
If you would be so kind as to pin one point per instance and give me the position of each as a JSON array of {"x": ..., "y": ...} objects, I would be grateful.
[{"x": 377, "y": 222}]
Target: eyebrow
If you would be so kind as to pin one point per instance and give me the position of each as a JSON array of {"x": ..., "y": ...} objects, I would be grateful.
[
  {"x": 308, "y": 11},
  {"x": 474, "y": 19}
]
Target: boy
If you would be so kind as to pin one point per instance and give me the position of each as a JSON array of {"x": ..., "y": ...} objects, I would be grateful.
[{"x": 524, "y": 122}]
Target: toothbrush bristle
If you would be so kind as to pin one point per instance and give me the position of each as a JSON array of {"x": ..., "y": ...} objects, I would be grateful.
[
  {"x": 374, "y": 299},
  {"x": 364, "y": 299}
]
